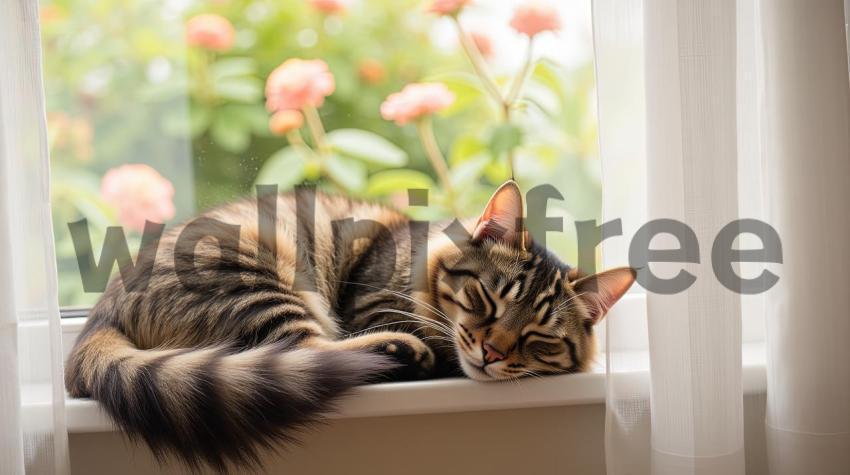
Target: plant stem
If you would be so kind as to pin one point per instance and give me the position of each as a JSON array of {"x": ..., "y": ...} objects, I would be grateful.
[
  {"x": 294, "y": 137},
  {"x": 317, "y": 130},
  {"x": 425, "y": 127},
  {"x": 200, "y": 69},
  {"x": 506, "y": 115},
  {"x": 519, "y": 81},
  {"x": 478, "y": 63},
  {"x": 320, "y": 139},
  {"x": 515, "y": 91},
  {"x": 506, "y": 103},
  {"x": 511, "y": 163}
]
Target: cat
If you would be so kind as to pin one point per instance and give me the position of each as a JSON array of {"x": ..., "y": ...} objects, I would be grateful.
[{"x": 236, "y": 343}]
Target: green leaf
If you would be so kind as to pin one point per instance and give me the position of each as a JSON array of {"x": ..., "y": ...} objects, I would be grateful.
[
  {"x": 252, "y": 116},
  {"x": 464, "y": 148},
  {"x": 230, "y": 67},
  {"x": 543, "y": 98},
  {"x": 367, "y": 146},
  {"x": 172, "y": 88},
  {"x": 92, "y": 207},
  {"x": 497, "y": 171},
  {"x": 176, "y": 122},
  {"x": 228, "y": 133},
  {"x": 505, "y": 137},
  {"x": 239, "y": 89},
  {"x": 402, "y": 179},
  {"x": 285, "y": 168},
  {"x": 465, "y": 173},
  {"x": 349, "y": 173},
  {"x": 547, "y": 73},
  {"x": 199, "y": 120},
  {"x": 466, "y": 88}
]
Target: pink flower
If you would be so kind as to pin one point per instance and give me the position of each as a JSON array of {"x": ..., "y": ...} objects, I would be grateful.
[
  {"x": 447, "y": 7},
  {"x": 138, "y": 193},
  {"x": 210, "y": 31},
  {"x": 284, "y": 121},
  {"x": 74, "y": 134},
  {"x": 371, "y": 71},
  {"x": 533, "y": 18},
  {"x": 50, "y": 13},
  {"x": 329, "y": 6},
  {"x": 416, "y": 100},
  {"x": 483, "y": 43},
  {"x": 298, "y": 83}
]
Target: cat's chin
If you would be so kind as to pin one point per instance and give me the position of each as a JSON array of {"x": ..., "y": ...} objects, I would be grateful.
[{"x": 474, "y": 372}]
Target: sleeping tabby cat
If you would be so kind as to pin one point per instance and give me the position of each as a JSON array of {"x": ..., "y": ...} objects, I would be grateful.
[{"x": 237, "y": 342}]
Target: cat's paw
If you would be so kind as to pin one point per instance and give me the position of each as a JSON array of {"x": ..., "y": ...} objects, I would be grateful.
[{"x": 415, "y": 358}]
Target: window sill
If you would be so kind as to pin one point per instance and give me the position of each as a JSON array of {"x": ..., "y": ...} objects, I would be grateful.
[
  {"x": 449, "y": 395},
  {"x": 425, "y": 397}
]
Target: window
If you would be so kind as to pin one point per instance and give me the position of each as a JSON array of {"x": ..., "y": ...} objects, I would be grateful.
[{"x": 158, "y": 110}]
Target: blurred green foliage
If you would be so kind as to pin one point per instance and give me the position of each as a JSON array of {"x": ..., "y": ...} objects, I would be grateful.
[{"x": 123, "y": 87}]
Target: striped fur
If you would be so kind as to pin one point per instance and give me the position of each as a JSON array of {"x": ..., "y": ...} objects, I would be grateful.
[
  {"x": 237, "y": 343},
  {"x": 217, "y": 405}
]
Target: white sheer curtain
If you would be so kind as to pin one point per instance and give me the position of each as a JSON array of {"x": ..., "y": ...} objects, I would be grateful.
[
  {"x": 33, "y": 439},
  {"x": 807, "y": 176},
  {"x": 715, "y": 111}
]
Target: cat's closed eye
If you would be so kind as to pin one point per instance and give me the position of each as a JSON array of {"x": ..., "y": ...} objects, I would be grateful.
[{"x": 544, "y": 348}]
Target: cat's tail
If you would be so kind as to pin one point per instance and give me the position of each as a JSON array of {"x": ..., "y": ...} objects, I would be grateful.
[{"x": 214, "y": 406}]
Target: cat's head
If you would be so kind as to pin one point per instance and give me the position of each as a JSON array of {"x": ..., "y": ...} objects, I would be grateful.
[{"x": 516, "y": 309}]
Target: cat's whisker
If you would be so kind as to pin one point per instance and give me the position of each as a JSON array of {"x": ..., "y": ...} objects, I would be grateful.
[
  {"x": 445, "y": 318},
  {"x": 442, "y": 328},
  {"x": 567, "y": 302},
  {"x": 423, "y": 318},
  {"x": 424, "y": 322},
  {"x": 372, "y": 328},
  {"x": 409, "y": 298},
  {"x": 533, "y": 374},
  {"x": 437, "y": 337}
]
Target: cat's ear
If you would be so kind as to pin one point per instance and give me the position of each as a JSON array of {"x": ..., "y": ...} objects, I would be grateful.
[
  {"x": 502, "y": 218},
  {"x": 599, "y": 292}
]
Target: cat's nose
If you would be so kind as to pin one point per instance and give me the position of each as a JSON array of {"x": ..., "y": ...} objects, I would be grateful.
[{"x": 491, "y": 355}]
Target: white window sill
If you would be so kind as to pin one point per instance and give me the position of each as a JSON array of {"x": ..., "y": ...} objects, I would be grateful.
[
  {"x": 448, "y": 395},
  {"x": 426, "y": 397}
]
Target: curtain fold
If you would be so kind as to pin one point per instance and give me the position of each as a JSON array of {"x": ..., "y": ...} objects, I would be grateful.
[
  {"x": 694, "y": 334},
  {"x": 33, "y": 437},
  {"x": 710, "y": 112},
  {"x": 686, "y": 414},
  {"x": 807, "y": 178},
  {"x": 619, "y": 63}
]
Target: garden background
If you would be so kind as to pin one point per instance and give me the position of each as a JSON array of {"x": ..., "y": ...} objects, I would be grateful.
[{"x": 127, "y": 83}]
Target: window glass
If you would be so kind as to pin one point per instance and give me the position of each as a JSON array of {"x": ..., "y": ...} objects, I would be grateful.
[{"x": 159, "y": 109}]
